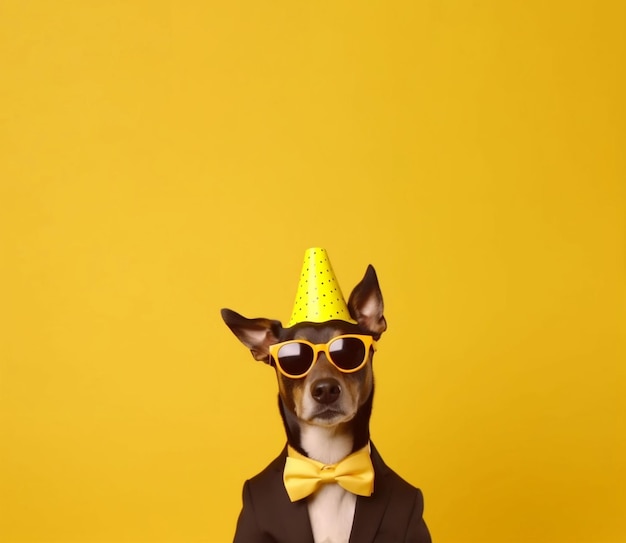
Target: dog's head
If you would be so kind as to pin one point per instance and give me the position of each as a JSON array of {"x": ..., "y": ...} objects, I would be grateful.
[{"x": 325, "y": 396}]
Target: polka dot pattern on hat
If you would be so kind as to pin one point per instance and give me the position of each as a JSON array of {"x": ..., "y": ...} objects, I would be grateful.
[{"x": 319, "y": 298}]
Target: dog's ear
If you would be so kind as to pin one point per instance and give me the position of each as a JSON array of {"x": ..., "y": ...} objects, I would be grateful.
[
  {"x": 256, "y": 334},
  {"x": 366, "y": 304}
]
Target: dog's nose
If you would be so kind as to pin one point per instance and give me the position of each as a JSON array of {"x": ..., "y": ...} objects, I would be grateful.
[{"x": 326, "y": 390}]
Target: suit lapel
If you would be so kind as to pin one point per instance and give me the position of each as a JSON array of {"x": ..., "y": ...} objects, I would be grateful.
[
  {"x": 370, "y": 510},
  {"x": 294, "y": 524}
]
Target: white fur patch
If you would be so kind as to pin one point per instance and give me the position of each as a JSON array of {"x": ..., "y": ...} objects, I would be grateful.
[
  {"x": 331, "y": 508},
  {"x": 325, "y": 444}
]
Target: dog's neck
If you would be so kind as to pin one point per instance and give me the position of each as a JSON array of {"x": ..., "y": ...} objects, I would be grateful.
[{"x": 328, "y": 444}]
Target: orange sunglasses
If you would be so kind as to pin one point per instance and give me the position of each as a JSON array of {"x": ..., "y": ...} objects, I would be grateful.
[{"x": 348, "y": 353}]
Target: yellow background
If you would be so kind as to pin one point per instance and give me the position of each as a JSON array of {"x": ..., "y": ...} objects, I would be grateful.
[{"x": 160, "y": 160}]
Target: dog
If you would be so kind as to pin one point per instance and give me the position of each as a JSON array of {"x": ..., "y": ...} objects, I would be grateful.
[{"x": 325, "y": 396}]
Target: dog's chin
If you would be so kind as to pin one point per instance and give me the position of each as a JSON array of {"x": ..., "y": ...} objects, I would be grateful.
[{"x": 330, "y": 417}]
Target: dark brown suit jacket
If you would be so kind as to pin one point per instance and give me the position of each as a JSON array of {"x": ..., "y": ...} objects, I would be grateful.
[{"x": 393, "y": 514}]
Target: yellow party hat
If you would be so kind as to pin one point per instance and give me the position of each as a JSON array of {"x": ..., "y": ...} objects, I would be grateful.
[{"x": 319, "y": 297}]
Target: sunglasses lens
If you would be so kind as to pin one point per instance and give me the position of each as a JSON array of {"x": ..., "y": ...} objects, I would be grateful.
[
  {"x": 347, "y": 352},
  {"x": 295, "y": 358}
]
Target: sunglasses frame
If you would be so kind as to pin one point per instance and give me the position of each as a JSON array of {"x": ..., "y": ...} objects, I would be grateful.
[{"x": 368, "y": 341}]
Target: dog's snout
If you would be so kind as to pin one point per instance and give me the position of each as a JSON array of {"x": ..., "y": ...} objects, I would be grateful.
[{"x": 326, "y": 390}]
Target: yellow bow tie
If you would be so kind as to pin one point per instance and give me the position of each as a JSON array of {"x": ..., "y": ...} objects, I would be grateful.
[{"x": 303, "y": 476}]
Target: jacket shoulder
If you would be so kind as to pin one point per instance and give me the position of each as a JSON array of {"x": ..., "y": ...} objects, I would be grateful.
[
  {"x": 267, "y": 513},
  {"x": 270, "y": 472},
  {"x": 401, "y": 505}
]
